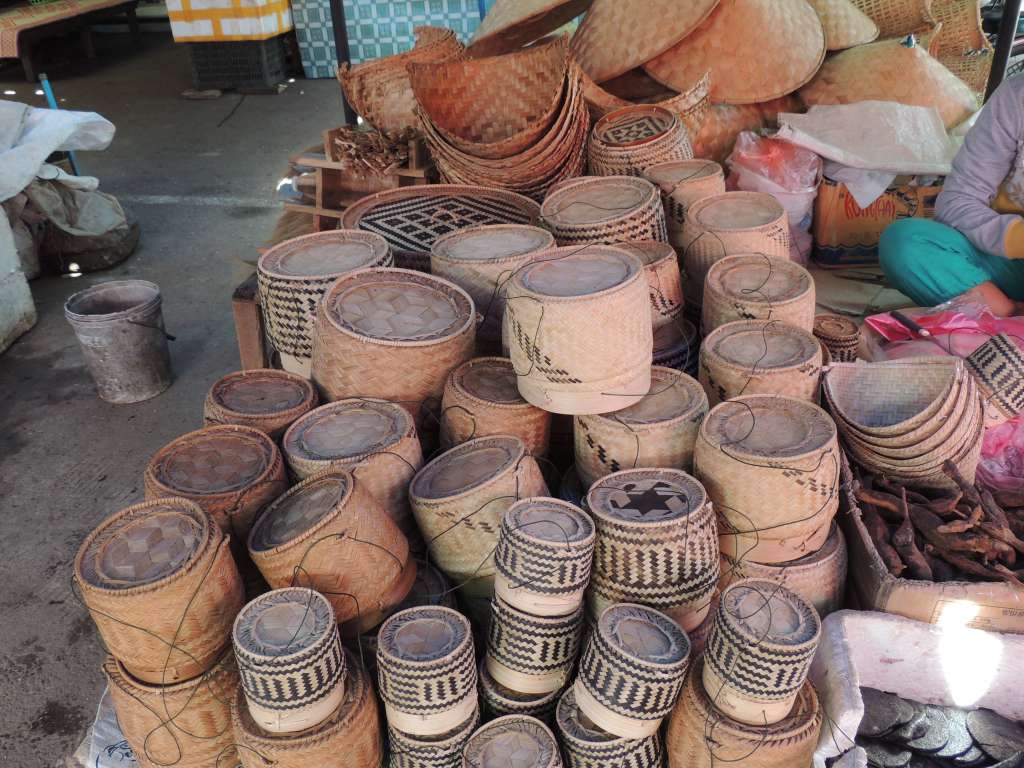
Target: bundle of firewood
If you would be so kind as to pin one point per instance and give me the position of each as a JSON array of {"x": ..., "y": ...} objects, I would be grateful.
[
  {"x": 964, "y": 536},
  {"x": 369, "y": 151}
]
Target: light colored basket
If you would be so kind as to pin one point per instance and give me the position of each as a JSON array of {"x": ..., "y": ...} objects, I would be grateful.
[
  {"x": 392, "y": 334},
  {"x": 609, "y": 209},
  {"x": 756, "y": 287},
  {"x": 960, "y": 43},
  {"x": 161, "y": 585},
  {"x": 532, "y": 654},
  {"x": 294, "y": 275},
  {"x": 629, "y": 140},
  {"x": 507, "y": 739},
  {"x": 186, "y": 724},
  {"x": 329, "y": 534},
  {"x": 442, "y": 751},
  {"x": 839, "y": 335},
  {"x": 587, "y": 746},
  {"x": 845, "y": 24},
  {"x": 659, "y": 431},
  {"x": 691, "y": 105},
  {"x": 579, "y": 326},
  {"x": 263, "y": 398},
  {"x": 683, "y": 183},
  {"x": 657, "y": 544},
  {"x": 760, "y": 358},
  {"x": 760, "y": 651},
  {"x": 661, "y": 268},
  {"x": 499, "y": 701},
  {"x": 896, "y": 18},
  {"x": 512, "y": 24},
  {"x": 770, "y": 465}
]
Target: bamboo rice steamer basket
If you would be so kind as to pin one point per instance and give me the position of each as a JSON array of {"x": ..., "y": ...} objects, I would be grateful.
[
  {"x": 185, "y": 724},
  {"x": 512, "y": 740},
  {"x": 839, "y": 335},
  {"x": 480, "y": 260},
  {"x": 579, "y": 326},
  {"x": 588, "y": 746},
  {"x": 349, "y": 738},
  {"x": 661, "y": 268},
  {"x": 632, "y": 670},
  {"x": 306, "y": 538},
  {"x": 657, "y": 544},
  {"x": 392, "y": 334},
  {"x": 658, "y": 431},
  {"x": 543, "y": 558},
  {"x": 459, "y": 500},
  {"x": 628, "y": 140},
  {"x": 427, "y": 670},
  {"x": 604, "y": 209},
  {"x": 290, "y": 660},
  {"x": 160, "y": 583},
  {"x": 232, "y": 472},
  {"x": 679, "y": 348},
  {"x": 998, "y": 368},
  {"x": 819, "y": 578},
  {"x": 499, "y": 701},
  {"x": 374, "y": 439},
  {"x": 441, "y": 751},
  {"x": 532, "y": 654},
  {"x": 700, "y": 736},
  {"x": 760, "y": 358},
  {"x": 683, "y": 183},
  {"x": 770, "y": 465},
  {"x": 760, "y": 651},
  {"x": 265, "y": 399},
  {"x": 754, "y": 286},
  {"x": 293, "y": 276},
  {"x": 481, "y": 399},
  {"x": 728, "y": 224}
]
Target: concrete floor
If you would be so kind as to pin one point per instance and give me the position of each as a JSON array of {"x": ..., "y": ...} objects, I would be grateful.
[{"x": 201, "y": 181}]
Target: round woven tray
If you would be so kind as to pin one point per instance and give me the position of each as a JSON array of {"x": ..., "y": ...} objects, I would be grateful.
[
  {"x": 262, "y": 398},
  {"x": 392, "y": 334},
  {"x": 629, "y": 140},
  {"x": 481, "y": 399},
  {"x": 760, "y": 651},
  {"x": 532, "y": 654},
  {"x": 306, "y": 538},
  {"x": 499, "y": 701},
  {"x": 770, "y": 465},
  {"x": 683, "y": 183},
  {"x": 161, "y": 585},
  {"x": 441, "y": 751},
  {"x": 579, "y": 327},
  {"x": 755, "y": 287},
  {"x": 588, "y": 746},
  {"x": 612, "y": 209},
  {"x": 231, "y": 472},
  {"x": 840, "y": 335},
  {"x": 661, "y": 268},
  {"x": 754, "y": 357},
  {"x": 187, "y": 724},
  {"x": 657, "y": 544},
  {"x": 512, "y": 740},
  {"x": 293, "y": 276},
  {"x": 658, "y": 431}
]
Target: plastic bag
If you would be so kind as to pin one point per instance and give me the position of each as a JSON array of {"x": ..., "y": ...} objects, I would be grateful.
[{"x": 1002, "y": 457}]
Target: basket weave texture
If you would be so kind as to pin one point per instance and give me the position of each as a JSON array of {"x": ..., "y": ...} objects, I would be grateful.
[
  {"x": 683, "y": 183},
  {"x": 629, "y": 140},
  {"x": 896, "y": 18},
  {"x": 845, "y": 24},
  {"x": 691, "y": 105},
  {"x": 756, "y": 287},
  {"x": 263, "y": 398},
  {"x": 606, "y": 210}
]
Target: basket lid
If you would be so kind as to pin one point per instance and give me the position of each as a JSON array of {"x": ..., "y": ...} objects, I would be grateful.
[
  {"x": 574, "y": 724},
  {"x": 423, "y": 634},
  {"x": 650, "y": 252},
  {"x": 513, "y": 741},
  {"x": 467, "y": 466},
  {"x": 218, "y": 459},
  {"x": 758, "y": 279},
  {"x": 835, "y": 327},
  {"x": 595, "y": 200},
  {"x": 494, "y": 692},
  {"x": 347, "y": 429},
  {"x": 260, "y": 393},
  {"x": 549, "y": 520},
  {"x": 768, "y": 426},
  {"x": 578, "y": 271},
  {"x": 767, "y": 612},
  {"x": 737, "y": 211},
  {"x": 283, "y": 622},
  {"x": 492, "y": 242},
  {"x": 644, "y": 634},
  {"x": 301, "y": 509},
  {"x": 762, "y": 346},
  {"x": 677, "y": 172},
  {"x": 491, "y": 379},
  {"x": 324, "y": 254},
  {"x": 672, "y": 395},
  {"x": 646, "y": 496},
  {"x": 633, "y": 126}
]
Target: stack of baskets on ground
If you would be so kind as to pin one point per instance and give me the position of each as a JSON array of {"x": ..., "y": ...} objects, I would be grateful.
[{"x": 629, "y": 140}]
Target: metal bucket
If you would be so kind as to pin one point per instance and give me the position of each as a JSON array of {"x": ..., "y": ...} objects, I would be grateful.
[{"x": 121, "y": 330}]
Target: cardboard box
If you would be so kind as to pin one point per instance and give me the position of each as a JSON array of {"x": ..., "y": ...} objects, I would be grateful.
[
  {"x": 846, "y": 235},
  {"x": 204, "y": 21}
]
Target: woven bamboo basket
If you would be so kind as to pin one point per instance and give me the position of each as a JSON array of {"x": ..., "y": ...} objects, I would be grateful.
[
  {"x": 661, "y": 268},
  {"x": 306, "y": 538},
  {"x": 186, "y": 724},
  {"x": 481, "y": 399},
  {"x": 579, "y": 325},
  {"x": 629, "y": 140},
  {"x": 499, "y": 701},
  {"x": 722, "y": 124},
  {"x": 839, "y": 335},
  {"x": 442, "y": 751},
  {"x": 586, "y": 745},
  {"x": 998, "y": 367},
  {"x": 896, "y": 18},
  {"x": 392, "y": 334},
  {"x": 571, "y": 489},
  {"x": 375, "y": 440},
  {"x": 411, "y": 219},
  {"x": 753, "y": 286},
  {"x": 681, "y": 351},
  {"x": 427, "y": 670},
  {"x": 819, "y": 578},
  {"x": 349, "y": 738},
  {"x": 512, "y": 24},
  {"x": 543, "y": 558},
  {"x": 512, "y": 740},
  {"x": 532, "y": 654},
  {"x": 699, "y": 634},
  {"x": 760, "y": 651},
  {"x": 294, "y": 275},
  {"x": 699, "y": 736},
  {"x": 754, "y": 357},
  {"x": 683, "y": 183},
  {"x": 657, "y": 544},
  {"x": 845, "y": 24},
  {"x": 459, "y": 499},
  {"x": 265, "y": 399},
  {"x": 380, "y": 91},
  {"x": 960, "y": 43},
  {"x": 231, "y": 472},
  {"x": 770, "y": 465},
  {"x": 658, "y": 432},
  {"x": 632, "y": 670},
  {"x": 610, "y": 209},
  {"x": 161, "y": 585},
  {"x": 290, "y": 660}
]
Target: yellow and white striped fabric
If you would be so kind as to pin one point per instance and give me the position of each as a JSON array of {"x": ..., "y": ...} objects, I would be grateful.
[{"x": 194, "y": 21}]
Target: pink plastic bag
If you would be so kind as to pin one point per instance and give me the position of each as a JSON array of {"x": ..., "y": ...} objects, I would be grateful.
[
  {"x": 958, "y": 328},
  {"x": 1002, "y": 457}
]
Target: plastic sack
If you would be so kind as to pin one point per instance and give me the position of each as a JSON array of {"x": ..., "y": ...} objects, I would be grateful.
[{"x": 1002, "y": 457}]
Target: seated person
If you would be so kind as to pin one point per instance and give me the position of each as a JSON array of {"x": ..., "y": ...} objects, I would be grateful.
[{"x": 975, "y": 246}]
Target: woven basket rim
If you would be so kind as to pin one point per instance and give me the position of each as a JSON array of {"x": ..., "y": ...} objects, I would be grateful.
[
  {"x": 378, "y": 244},
  {"x": 843, "y": 320},
  {"x": 640, "y": 184},
  {"x": 649, "y": 246},
  {"x": 773, "y": 327},
  {"x": 427, "y": 611},
  {"x": 456, "y": 383},
  {"x": 834, "y": 546},
  {"x": 268, "y": 511},
  {"x": 521, "y": 454},
  {"x": 654, "y": 173},
  {"x": 492, "y": 690},
  {"x": 302, "y": 651},
  {"x": 711, "y": 280},
  {"x": 442, "y": 744},
  {"x": 572, "y": 510},
  {"x": 779, "y": 591},
  {"x": 695, "y": 209},
  {"x": 664, "y": 622},
  {"x": 155, "y": 300},
  {"x": 533, "y": 722},
  {"x": 655, "y": 109},
  {"x": 682, "y": 378},
  {"x": 644, "y": 473},
  {"x": 438, "y": 251},
  {"x": 289, "y": 439},
  {"x": 271, "y": 373},
  {"x": 570, "y": 251},
  {"x": 225, "y": 660},
  {"x": 734, "y": 452}
]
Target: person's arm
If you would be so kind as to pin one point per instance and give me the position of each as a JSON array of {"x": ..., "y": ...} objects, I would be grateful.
[{"x": 980, "y": 167}]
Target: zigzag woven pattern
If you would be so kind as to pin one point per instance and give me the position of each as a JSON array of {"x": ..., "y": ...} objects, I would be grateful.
[
  {"x": 499, "y": 701},
  {"x": 532, "y": 645},
  {"x": 585, "y": 747},
  {"x": 297, "y": 685},
  {"x": 998, "y": 367},
  {"x": 439, "y": 752}
]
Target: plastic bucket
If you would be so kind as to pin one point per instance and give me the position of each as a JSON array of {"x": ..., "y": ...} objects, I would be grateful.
[{"x": 121, "y": 330}]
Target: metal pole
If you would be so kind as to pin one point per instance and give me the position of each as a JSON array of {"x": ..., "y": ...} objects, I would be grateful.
[
  {"x": 44, "y": 81},
  {"x": 1004, "y": 45},
  {"x": 342, "y": 51}
]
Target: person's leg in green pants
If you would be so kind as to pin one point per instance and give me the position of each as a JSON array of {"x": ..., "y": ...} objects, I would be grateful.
[{"x": 933, "y": 263}]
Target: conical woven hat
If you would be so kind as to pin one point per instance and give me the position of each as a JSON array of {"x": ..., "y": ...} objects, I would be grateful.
[
  {"x": 756, "y": 50},
  {"x": 845, "y": 24},
  {"x": 617, "y": 35},
  {"x": 892, "y": 70},
  {"x": 511, "y": 24},
  {"x": 899, "y": 17}
]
